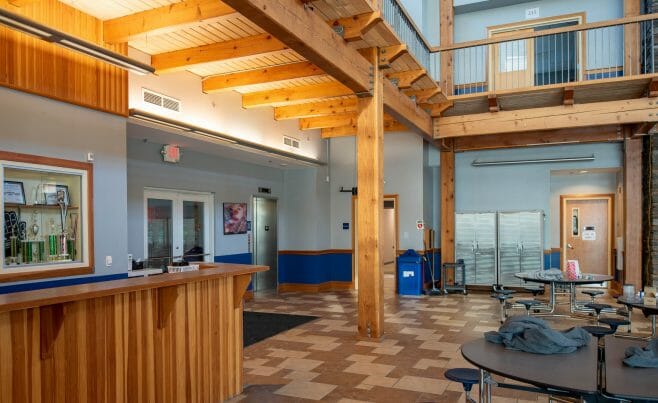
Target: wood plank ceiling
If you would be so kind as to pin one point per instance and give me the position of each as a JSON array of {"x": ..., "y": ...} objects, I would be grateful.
[{"x": 230, "y": 53}]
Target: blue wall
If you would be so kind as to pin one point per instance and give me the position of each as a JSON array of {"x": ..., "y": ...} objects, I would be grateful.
[
  {"x": 315, "y": 269},
  {"x": 60, "y": 283}
]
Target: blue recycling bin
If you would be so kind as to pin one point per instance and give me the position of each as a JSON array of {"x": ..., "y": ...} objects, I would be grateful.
[{"x": 410, "y": 273}]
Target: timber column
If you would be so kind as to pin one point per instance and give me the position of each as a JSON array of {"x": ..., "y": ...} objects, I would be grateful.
[
  {"x": 370, "y": 182},
  {"x": 632, "y": 210},
  {"x": 446, "y": 13}
]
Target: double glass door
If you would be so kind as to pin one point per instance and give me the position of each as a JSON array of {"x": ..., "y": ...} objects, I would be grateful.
[{"x": 178, "y": 225}]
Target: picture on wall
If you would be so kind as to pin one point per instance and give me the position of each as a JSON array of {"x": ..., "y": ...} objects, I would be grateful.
[
  {"x": 235, "y": 218},
  {"x": 14, "y": 192}
]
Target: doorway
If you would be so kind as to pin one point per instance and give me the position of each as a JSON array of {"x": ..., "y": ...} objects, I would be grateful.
[
  {"x": 587, "y": 231},
  {"x": 178, "y": 225},
  {"x": 265, "y": 243},
  {"x": 390, "y": 240}
]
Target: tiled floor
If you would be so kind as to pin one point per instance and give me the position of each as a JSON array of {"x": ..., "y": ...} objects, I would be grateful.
[{"x": 323, "y": 360}]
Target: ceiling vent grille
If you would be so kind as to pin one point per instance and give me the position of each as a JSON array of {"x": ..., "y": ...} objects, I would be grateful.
[
  {"x": 291, "y": 141},
  {"x": 160, "y": 100}
]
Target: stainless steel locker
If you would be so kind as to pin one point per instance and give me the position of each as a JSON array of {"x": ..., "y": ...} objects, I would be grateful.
[
  {"x": 520, "y": 236},
  {"x": 265, "y": 243},
  {"x": 475, "y": 243}
]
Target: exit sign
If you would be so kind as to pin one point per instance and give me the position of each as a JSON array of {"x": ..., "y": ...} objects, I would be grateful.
[{"x": 531, "y": 13}]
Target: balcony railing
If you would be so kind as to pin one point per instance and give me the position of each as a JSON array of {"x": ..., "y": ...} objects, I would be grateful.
[
  {"x": 555, "y": 56},
  {"x": 409, "y": 34}
]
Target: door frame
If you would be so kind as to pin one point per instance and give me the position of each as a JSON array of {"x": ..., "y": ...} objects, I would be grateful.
[
  {"x": 151, "y": 193},
  {"x": 581, "y": 18},
  {"x": 251, "y": 235},
  {"x": 396, "y": 200},
  {"x": 610, "y": 197}
]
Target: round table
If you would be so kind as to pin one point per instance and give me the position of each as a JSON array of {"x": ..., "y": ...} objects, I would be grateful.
[
  {"x": 553, "y": 277},
  {"x": 647, "y": 310}
]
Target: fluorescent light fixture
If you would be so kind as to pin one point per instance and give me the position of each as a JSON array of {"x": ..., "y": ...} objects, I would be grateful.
[
  {"x": 48, "y": 34},
  {"x": 217, "y": 136},
  {"x": 477, "y": 163}
]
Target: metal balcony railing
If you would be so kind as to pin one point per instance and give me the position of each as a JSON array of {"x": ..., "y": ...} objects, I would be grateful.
[
  {"x": 556, "y": 56},
  {"x": 409, "y": 34}
]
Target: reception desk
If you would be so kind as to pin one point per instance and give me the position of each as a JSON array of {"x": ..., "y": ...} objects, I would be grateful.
[{"x": 168, "y": 338}]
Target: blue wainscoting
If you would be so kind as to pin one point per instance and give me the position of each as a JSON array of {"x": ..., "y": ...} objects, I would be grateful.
[
  {"x": 552, "y": 259},
  {"x": 315, "y": 267},
  {"x": 238, "y": 258},
  {"x": 60, "y": 283}
]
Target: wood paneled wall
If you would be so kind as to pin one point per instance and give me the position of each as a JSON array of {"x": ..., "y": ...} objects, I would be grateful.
[
  {"x": 181, "y": 343},
  {"x": 35, "y": 66}
]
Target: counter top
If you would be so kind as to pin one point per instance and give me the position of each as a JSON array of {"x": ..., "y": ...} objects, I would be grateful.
[{"x": 58, "y": 295}]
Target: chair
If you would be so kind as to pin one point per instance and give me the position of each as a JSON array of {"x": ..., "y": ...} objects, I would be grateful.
[
  {"x": 599, "y": 332},
  {"x": 534, "y": 290},
  {"x": 528, "y": 304},
  {"x": 614, "y": 323},
  {"x": 467, "y": 377},
  {"x": 593, "y": 294},
  {"x": 598, "y": 308},
  {"x": 502, "y": 298}
]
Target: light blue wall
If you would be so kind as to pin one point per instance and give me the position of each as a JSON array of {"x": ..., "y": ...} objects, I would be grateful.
[
  {"x": 229, "y": 180},
  {"x": 40, "y": 126},
  {"x": 525, "y": 187},
  {"x": 403, "y": 175}
]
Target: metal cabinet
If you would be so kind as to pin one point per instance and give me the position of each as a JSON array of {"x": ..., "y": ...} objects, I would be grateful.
[
  {"x": 519, "y": 245},
  {"x": 495, "y": 246},
  {"x": 475, "y": 243}
]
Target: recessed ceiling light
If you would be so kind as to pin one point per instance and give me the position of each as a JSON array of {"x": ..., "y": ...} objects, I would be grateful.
[
  {"x": 583, "y": 172},
  {"x": 283, "y": 164}
]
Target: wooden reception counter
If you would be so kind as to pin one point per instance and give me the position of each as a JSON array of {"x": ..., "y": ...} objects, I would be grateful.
[{"x": 168, "y": 338}]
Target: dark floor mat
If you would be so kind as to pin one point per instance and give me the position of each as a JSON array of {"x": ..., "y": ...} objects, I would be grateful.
[{"x": 259, "y": 326}]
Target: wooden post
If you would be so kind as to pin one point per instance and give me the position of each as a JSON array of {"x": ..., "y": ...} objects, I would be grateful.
[
  {"x": 370, "y": 182},
  {"x": 447, "y": 17},
  {"x": 632, "y": 210},
  {"x": 631, "y": 39},
  {"x": 448, "y": 206}
]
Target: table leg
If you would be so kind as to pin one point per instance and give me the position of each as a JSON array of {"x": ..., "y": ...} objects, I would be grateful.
[{"x": 653, "y": 326}]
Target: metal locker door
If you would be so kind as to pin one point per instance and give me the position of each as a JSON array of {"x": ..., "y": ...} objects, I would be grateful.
[
  {"x": 532, "y": 230},
  {"x": 485, "y": 248},
  {"x": 509, "y": 248},
  {"x": 465, "y": 243},
  {"x": 265, "y": 243}
]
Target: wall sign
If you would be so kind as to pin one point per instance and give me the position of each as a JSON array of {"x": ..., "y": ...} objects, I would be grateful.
[
  {"x": 589, "y": 233},
  {"x": 420, "y": 225},
  {"x": 531, "y": 13}
]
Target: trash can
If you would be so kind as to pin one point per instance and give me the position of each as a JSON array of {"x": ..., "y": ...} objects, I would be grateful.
[{"x": 410, "y": 277}]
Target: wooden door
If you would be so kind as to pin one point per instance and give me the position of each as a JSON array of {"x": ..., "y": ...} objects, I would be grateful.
[
  {"x": 587, "y": 233},
  {"x": 513, "y": 61}
]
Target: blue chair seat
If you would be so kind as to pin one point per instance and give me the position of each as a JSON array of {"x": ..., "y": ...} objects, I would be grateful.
[
  {"x": 598, "y": 331},
  {"x": 593, "y": 293},
  {"x": 466, "y": 376},
  {"x": 614, "y": 323},
  {"x": 501, "y": 297},
  {"x": 598, "y": 307},
  {"x": 528, "y": 303}
]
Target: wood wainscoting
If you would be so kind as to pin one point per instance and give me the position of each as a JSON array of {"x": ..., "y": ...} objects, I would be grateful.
[
  {"x": 35, "y": 66},
  {"x": 168, "y": 338}
]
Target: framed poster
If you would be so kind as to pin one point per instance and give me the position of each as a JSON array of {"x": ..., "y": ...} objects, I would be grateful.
[
  {"x": 14, "y": 192},
  {"x": 235, "y": 218},
  {"x": 53, "y": 193}
]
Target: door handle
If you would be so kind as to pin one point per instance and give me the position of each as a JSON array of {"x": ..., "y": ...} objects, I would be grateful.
[{"x": 570, "y": 246}]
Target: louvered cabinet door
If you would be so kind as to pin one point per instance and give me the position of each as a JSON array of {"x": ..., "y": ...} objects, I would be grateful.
[
  {"x": 485, "y": 248},
  {"x": 532, "y": 231},
  {"x": 509, "y": 248},
  {"x": 465, "y": 243}
]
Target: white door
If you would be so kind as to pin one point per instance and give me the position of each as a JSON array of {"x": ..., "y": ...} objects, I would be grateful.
[{"x": 178, "y": 225}]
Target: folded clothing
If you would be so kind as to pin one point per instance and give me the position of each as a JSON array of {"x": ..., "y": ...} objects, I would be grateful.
[
  {"x": 534, "y": 335},
  {"x": 646, "y": 357}
]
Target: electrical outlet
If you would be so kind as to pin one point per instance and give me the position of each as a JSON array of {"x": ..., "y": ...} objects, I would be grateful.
[{"x": 108, "y": 261}]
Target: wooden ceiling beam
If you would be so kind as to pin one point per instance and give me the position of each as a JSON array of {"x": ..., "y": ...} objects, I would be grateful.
[
  {"x": 390, "y": 54},
  {"x": 260, "y": 76},
  {"x": 435, "y": 110},
  {"x": 567, "y": 97},
  {"x": 228, "y": 50},
  {"x": 406, "y": 111},
  {"x": 315, "y": 109},
  {"x": 295, "y": 95},
  {"x": 346, "y": 131},
  {"x": 164, "y": 19},
  {"x": 644, "y": 129},
  {"x": 355, "y": 27},
  {"x": 550, "y": 118},
  {"x": 310, "y": 36},
  {"x": 494, "y": 106},
  {"x": 405, "y": 79},
  {"x": 324, "y": 122},
  {"x": 597, "y": 134}
]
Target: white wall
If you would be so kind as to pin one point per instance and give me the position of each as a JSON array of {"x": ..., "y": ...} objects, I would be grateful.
[
  {"x": 403, "y": 174},
  {"x": 40, "y": 126},
  {"x": 229, "y": 180},
  {"x": 525, "y": 187},
  {"x": 221, "y": 112}
]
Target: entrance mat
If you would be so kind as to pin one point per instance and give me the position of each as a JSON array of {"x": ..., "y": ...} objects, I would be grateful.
[{"x": 258, "y": 326}]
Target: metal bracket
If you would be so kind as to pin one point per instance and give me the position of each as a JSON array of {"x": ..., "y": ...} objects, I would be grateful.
[{"x": 339, "y": 29}]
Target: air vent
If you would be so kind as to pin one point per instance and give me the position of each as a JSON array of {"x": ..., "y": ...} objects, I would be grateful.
[
  {"x": 160, "y": 100},
  {"x": 291, "y": 141}
]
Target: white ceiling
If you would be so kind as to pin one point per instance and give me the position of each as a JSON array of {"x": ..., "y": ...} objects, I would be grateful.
[{"x": 154, "y": 134}]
